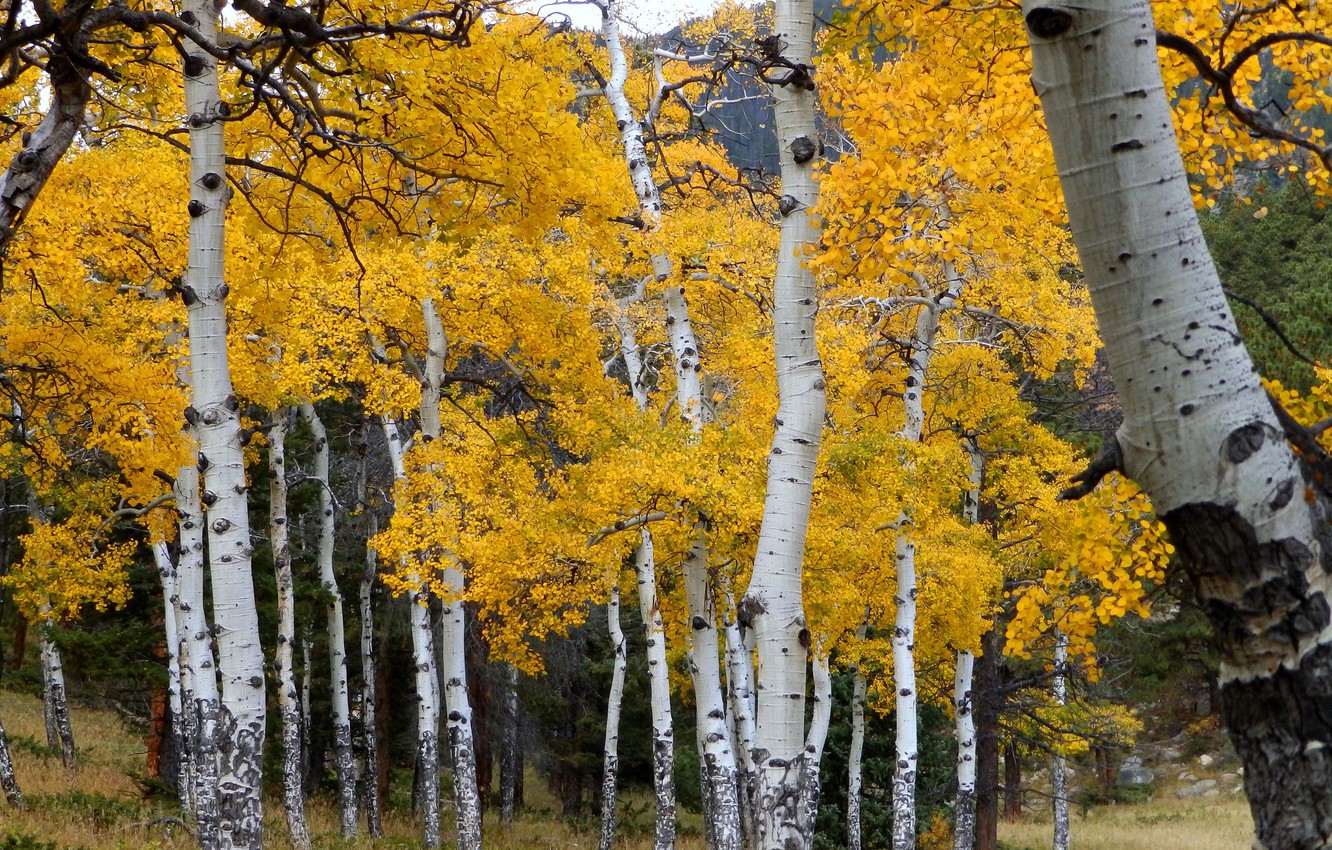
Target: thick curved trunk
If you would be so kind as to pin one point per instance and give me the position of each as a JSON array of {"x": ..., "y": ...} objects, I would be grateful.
[
  {"x": 1199, "y": 434},
  {"x": 773, "y": 606}
]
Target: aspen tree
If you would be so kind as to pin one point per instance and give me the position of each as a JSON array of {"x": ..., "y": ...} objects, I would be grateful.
[
  {"x": 293, "y": 786},
  {"x": 772, "y": 605},
  {"x": 1200, "y": 434}
]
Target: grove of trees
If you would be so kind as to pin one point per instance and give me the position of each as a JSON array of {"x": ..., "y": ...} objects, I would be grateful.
[{"x": 519, "y": 344}]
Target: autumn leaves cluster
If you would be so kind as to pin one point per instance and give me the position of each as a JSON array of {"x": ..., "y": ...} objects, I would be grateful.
[{"x": 487, "y": 177}]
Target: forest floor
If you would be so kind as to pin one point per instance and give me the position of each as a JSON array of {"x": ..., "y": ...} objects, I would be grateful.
[{"x": 104, "y": 806}]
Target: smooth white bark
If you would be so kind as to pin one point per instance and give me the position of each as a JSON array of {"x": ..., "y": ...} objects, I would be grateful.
[
  {"x": 289, "y": 707},
  {"x": 773, "y": 605},
  {"x": 369, "y": 665},
  {"x": 610, "y": 770},
  {"x": 427, "y": 683},
  {"x": 171, "y": 619},
  {"x": 217, "y": 427},
  {"x": 856, "y": 752},
  {"x": 344, "y": 763},
  {"x": 199, "y": 685},
  {"x": 964, "y": 721},
  {"x": 663, "y": 735},
  {"x": 453, "y": 635}
]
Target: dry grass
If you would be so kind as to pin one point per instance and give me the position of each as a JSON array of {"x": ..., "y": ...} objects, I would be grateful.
[
  {"x": 1218, "y": 823},
  {"x": 103, "y": 807}
]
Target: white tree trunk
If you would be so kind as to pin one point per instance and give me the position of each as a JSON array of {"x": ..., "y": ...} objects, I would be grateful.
[
  {"x": 293, "y": 796},
  {"x": 820, "y": 718},
  {"x": 740, "y": 716},
  {"x": 293, "y": 790},
  {"x": 773, "y": 606},
  {"x": 59, "y": 731},
  {"x": 510, "y": 758},
  {"x": 201, "y": 708},
  {"x": 1058, "y": 778},
  {"x": 610, "y": 769},
  {"x": 1199, "y": 433},
  {"x": 964, "y": 722},
  {"x": 645, "y": 570},
  {"x": 217, "y": 426},
  {"x": 904, "y": 629},
  {"x": 8, "y": 782},
  {"x": 344, "y": 762},
  {"x": 369, "y": 668},
  {"x": 453, "y": 636},
  {"x": 663, "y": 737},
  {"x": 855, "y": 756},
  {"x": 427, "y": 683},
  {"x": 172, "y": 616}
]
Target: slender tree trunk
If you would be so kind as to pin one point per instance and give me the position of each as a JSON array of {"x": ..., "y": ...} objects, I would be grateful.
[
  {"x": 855, "y": 754},
  {"x": 453, "y": 637},
  {"x": 740, "y": 697},
  {"x": 773, "y": 606},
  {"x": 180, "y": 741},
  {"x": 8, "y": 783},
  {"x": 20, "y": 645},
  {"x": 293, "y": 790},
  {"x": 645, "y": 570},
  {"x": 510, "y": 760},
  {"x": 201, "y": 709},
  {"x": 310, "y": 762},
  {"x": 59, "y": 730},
  {"x": 370, "y": 722},
  {"x": 1058, "y": 778},
  {"x": 215, "y": 416},
  {"x": 610, "y": 770},
  {"x": 820, "y": 718},
  {"x": 964, "y": 721},
  {"x": 427, "y": 682},
  {"x": 343, "y": 761},
  {"x": 663, "y": 737},
  {"x": 1200, "y": 434}
]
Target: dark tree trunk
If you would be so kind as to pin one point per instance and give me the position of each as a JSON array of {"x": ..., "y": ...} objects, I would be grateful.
[
  {"x": 20, "y": 642},
  {"x": 987, "y": 697},
  {"x": 1012, "y": 782}
]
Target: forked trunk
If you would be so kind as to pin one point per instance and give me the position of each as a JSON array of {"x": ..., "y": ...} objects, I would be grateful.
[
  {"x": 293, "y": 790},
  {"x": 344, "y": 764}
]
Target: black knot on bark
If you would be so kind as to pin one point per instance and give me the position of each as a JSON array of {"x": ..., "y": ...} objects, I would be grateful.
[
  {"x": 197, "y": 209},
  {"x": 1048, "y": 23},
  {"x": 211, "y": 181},
  {"x": 787, "y": 205},
  {"x": 699, "y": 623},
  {"x": 194, "y": 65},
  {"x": 222, "y": 525},
  {"x": 208, "y": 497},
  {"x": 455, "y": 716},
  {"x": 803, "y": 149}
]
